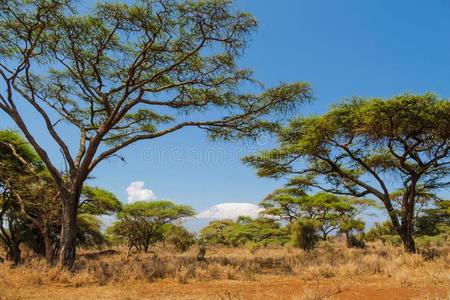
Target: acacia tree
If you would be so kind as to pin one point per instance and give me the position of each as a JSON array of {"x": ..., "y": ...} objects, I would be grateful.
[
  {"x": 179, "y": 237},
  {"x": 126, "y": 72},
  {"x": 349, "y": 226},
  {"x": 331, "y": 211},
  {"x": 216, "y": 232},
  {"x": 141, "y": 223},
  {"x": 369, "y": 147},
  {"x": 11, "y": 226},
  {"x": 30, "y": 202},
  {"x": 26, "y": 197},
  {"x": 245, "y": 231}
]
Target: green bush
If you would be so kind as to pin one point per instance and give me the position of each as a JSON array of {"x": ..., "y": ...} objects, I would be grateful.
[
  {"x": 379, "y": 230},
  {"x": 355, "y": 242},
  {"x": 305, "y": 234},
  {"x": 261, "y": 232},
  {"x": 393, "y": 240},
  {"x": 430, "y": 241},
  {"x": 180, "y": 238}
]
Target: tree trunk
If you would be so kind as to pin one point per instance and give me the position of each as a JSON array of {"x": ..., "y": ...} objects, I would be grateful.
[
  {"x": 146, "y": 245},
  {"x": 407, "y": 235},
  {"x": 13, "y": 254},
  {"x": 406, "y": 228},
  {"x": 408, "y": 241},
  {"x": 49, "y": 254},
  {"x": 68, "y": 232}
]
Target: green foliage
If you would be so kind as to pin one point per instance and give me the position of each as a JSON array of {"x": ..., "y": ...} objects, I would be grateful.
[
  {"x": 179, "y": 237},
  {"x": 359, "y": 145},
  {"x": 434, "y": 221},
  {"x": 161, "y": 212},
  {"x": 89, "y": 231},
  {"x": 30, "y": 203},
  {"x": 98, "y": 201},
  {"x": 185, "y": 51},
  {"x": 391, "y": 239},
  {"x": 243, "y": 231},
  {"x": 348, "y": 226},
  {"x": 216, "y": 232},
  {"x": 333, "y": 212},
  {"x": 439, "y": 240},
  {"x": 355, "y": 242},
  {"x": 142, "y": 223},
  {"x": 380, "y": 230},
  {"x": 12, "y": 140},
  {"x": 305, "y": 234},
  {"x": 432, "y": 227}
]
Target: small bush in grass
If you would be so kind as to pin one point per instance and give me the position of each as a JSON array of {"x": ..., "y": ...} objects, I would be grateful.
[
  {"x": 429, "y": 253},
  {"x": 183, "y": 275},
  {"x": 150, "y": 270},
  {"x": 248, "y": 274},
  {"x": 354, "y": 242},
  {"x": 201, "y": 274},
  {"x": 305, "y": 234},
  {"x": 350, "y": 269},
  {"x": 431, "y": 241},
  {"x": 372, "y": 264},
  {"x": 180, "y": 238},
  {"x": 391, "y": 240},
  {"x": 230, "y": 273},
  {"x": 214, "y": 271}
]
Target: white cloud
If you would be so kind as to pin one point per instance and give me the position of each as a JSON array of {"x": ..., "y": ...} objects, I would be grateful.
[
  {"x": 137, "y": 192},
  {"x": 230, "y": 211}
]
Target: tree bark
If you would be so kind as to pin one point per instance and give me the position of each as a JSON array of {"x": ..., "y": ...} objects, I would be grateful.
[
  {"x": 67, "y": 246},
  {"x": 146, "y": 245},
  {"x": 408, "y": 242},
  {"x": 13, "y": 254},
  {"x": 407, "y": 229},
  {"x": 347, "y": 238},
  {"x": 49, "y": 253}
]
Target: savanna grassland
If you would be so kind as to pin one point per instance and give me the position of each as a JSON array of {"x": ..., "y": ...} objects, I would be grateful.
[{"x": 328, "y": 272}]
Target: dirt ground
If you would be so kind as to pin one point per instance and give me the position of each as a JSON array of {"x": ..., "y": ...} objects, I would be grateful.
[{"x": 263, "y": 287}]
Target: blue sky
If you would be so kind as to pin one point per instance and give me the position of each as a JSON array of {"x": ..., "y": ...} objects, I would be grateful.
[{"x": 342, "y": 48}]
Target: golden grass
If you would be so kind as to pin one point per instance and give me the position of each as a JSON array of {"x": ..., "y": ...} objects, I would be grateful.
[{"x": 276, "y": 273}]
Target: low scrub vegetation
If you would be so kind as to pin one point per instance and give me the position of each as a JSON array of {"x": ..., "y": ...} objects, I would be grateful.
[{"x": 387, "y": 264}]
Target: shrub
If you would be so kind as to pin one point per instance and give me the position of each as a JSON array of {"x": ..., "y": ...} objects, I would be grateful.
[
  {"x": 305, "y": 234},
  {"x": 427, "y": 241},
  {"x": 391, "y": 240},
  {"x": 180, "y": 238},
  {"x": 183, "y": 274},
  {"x": 379, "y": 230},
  {"x": 354, "y": 242}
]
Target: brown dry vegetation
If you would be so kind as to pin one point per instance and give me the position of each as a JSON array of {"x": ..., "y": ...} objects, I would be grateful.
[{"x": 378, "y": 272}]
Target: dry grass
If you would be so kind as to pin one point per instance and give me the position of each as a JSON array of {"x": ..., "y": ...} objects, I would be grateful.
[{"x": 320, "y": 274}]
